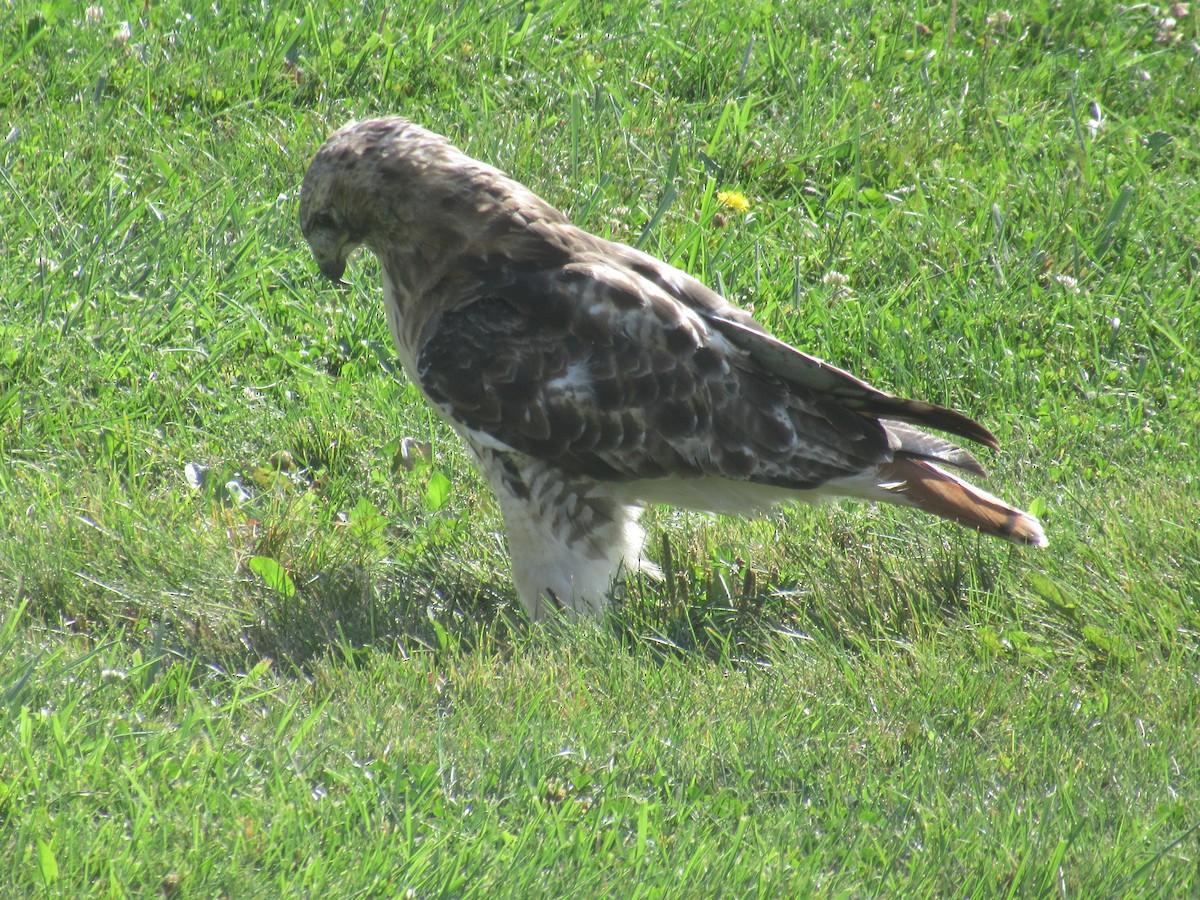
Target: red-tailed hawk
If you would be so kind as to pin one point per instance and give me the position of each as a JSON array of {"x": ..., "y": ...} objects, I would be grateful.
[{"x": 589, "y": 379}]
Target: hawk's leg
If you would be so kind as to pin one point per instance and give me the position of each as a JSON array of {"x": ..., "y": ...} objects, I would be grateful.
[{"x": 568, "y": 537}]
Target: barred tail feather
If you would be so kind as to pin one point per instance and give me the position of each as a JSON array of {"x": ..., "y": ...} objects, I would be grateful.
[{"x": 916, "y": 482}]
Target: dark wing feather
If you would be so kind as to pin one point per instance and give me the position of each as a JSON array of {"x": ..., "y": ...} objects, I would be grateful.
[
  {"x": 799, "y": 368},
  {"x": 604, "y": 373}
]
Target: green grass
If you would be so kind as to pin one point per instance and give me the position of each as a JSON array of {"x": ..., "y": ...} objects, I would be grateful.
[{"x": 248, "y": 652}]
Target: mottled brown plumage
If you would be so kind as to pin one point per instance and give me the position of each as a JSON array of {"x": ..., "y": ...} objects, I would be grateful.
[{"x": 588, "y": 378}]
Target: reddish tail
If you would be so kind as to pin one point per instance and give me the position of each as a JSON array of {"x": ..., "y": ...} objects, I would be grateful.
[{"x": 921, "y": 484}]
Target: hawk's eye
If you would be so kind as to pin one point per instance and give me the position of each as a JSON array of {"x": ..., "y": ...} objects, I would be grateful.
[{"x": 323, "y": 221}]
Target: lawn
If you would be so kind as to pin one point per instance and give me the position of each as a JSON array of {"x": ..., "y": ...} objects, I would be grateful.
[{"x": 257, "y": 635}]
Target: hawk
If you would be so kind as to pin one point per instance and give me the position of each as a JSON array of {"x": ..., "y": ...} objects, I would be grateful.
[{"x": 588, "y": 379}]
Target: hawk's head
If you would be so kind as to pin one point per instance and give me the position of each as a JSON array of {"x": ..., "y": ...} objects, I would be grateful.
[
  {"x": 362, "y": 187},
  {"x": 413, "y": 199}
]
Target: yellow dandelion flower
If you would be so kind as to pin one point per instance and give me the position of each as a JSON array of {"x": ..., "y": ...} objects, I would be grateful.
[{"x": 734, "y": 200}]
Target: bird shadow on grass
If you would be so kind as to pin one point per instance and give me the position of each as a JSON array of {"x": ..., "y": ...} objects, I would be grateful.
[
  {"x": 734, "y": 613},
  {"x": 731, "y": 613},
  {"x": 428, "y": 605}
]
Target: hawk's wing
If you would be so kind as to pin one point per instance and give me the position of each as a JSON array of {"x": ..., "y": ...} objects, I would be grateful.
[{"x": 602, "y": 371}]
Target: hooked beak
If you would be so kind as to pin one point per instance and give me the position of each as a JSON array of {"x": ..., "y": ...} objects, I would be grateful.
[{"x": 333, "y": 269}]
